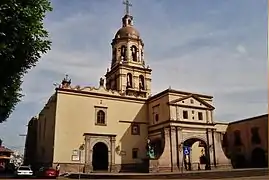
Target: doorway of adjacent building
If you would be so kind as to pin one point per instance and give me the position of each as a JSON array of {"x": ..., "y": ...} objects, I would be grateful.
[
  {"x": 238, "y": 161},
  {"x": 100, "y": 157},
  {"x": 258, "y": 158}
]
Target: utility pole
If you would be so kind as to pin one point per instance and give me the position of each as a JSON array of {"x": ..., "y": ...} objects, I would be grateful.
[{"x": 23, "y": 135}]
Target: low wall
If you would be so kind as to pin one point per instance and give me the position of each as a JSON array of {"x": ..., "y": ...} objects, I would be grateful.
[{"x": 116, "y": 168}]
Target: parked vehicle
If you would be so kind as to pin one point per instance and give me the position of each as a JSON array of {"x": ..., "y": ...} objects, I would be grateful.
[
  {"x": 46, "y": 172},
  {"x": 23, "y": 171}
]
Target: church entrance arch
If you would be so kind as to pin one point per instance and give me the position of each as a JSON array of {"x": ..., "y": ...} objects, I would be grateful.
[
  {"x": 195, "y": 155},
  {"x": 100, "y": 157}
]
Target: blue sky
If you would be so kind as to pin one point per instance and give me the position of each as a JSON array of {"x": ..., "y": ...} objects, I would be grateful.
[{"x": 213, "y": 47}]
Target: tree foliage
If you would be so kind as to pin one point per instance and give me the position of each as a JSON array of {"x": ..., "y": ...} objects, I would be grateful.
[{"x": 23, "y": 39}]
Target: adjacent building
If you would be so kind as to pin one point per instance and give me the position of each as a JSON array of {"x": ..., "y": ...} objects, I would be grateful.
[
  {"x": 246, "y": 142},
  {"x": 5, "y": 156},
  {"x": 112, "y": 127},
  {"x": 31, "y": 142}
]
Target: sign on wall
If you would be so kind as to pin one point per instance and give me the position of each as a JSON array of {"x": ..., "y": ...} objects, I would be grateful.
[
  {"x": 75, "y": 158},
  {"x": 186, "y": 150},
  {"x": 75, "y": 155}
]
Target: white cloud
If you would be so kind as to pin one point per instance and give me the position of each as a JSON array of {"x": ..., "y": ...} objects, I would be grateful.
[{"x": 241, "y": 49}]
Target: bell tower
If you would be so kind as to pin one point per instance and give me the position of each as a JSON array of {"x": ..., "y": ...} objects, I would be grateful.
[{"x": 128, "y": 73}]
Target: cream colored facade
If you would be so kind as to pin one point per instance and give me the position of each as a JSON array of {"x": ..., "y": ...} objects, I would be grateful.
[{"x": 120, "y": 115}]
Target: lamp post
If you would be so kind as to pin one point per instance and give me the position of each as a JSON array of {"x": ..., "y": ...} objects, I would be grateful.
[
  {"x": 80, "y": 149},
  {"x": 24, "y": 148}
]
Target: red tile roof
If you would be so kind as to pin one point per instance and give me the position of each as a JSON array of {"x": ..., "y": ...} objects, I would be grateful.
[{"x": 4, "y": 149}]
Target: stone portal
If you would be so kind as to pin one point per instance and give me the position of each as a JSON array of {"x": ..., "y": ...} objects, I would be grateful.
[{"x": 99, "y": 152}]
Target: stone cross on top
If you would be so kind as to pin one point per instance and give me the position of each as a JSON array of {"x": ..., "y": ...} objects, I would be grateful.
[{"x": 127, "y": 5}]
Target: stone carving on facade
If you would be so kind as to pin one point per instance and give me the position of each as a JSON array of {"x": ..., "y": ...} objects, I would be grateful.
[
  {"x": 100, "y": 90},
  {"x": 143, "y": 63},
  {"x": 77, "y": 87},
  {"x": 101, "y": 82},
  {"x": 66, "y": 82},
  {"x": 123, "y": 53},
  {"x": 129, "y": 80},
  {"x": 134, "y": 53},
  {"x": 119, "y": 151},
  {"x": 141, "y": 86},
  {"x": 154, "y": 166},
  {"x": 114, "y": 56},
  {"x": 150, "y": 150},
  {"x": 141, "y": 83}
]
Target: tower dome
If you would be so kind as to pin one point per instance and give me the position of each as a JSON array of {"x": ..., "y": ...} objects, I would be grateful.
[
  {"x": 127, "y": 32},
  {"x": 127, "y": 46}
]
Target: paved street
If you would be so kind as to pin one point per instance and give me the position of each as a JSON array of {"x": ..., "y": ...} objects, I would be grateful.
[
  {"x": 242, "y": 178},
  {"x": 239, "y": 174}
]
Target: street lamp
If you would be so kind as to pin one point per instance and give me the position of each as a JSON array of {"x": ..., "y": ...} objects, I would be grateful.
[{"x": 24, "y": 148}]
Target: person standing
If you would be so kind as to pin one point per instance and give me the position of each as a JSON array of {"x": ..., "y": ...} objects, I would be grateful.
[{"x": 58, "y": 169}]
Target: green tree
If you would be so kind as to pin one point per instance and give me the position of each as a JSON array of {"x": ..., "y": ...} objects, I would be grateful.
[{"x": 23, "y": 39}]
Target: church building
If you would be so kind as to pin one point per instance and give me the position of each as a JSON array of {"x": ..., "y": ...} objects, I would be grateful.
[{"x": 120, "y": 126}]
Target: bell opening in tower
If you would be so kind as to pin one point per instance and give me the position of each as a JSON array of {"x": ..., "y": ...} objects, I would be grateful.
[
  {"x": 134, "y": 53},
  {"x": 123, "y": 50},
  {"x": 129, "y": 80},
  {"x": 141, "y": 82},
  {"x": 128, "y": 73}
]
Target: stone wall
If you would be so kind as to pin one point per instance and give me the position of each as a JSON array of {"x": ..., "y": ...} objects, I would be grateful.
[
  {"x": 117, "y": 168},
  {"x": 70, "y": 167}
]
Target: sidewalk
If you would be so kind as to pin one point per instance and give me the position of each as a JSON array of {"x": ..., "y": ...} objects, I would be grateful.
[
  {"x": 209, "y": 174},
  {"x": 6, "y": 175}
]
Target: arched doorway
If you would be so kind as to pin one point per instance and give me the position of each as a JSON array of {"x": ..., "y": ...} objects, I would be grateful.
[
  {"x": 195, "y": 154},
  {"x": 100, "y": 157},
  {"x": 258, "y": 158},
  {"x": 158, "y": 147},
  {"x": 238, "y": 161}
]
